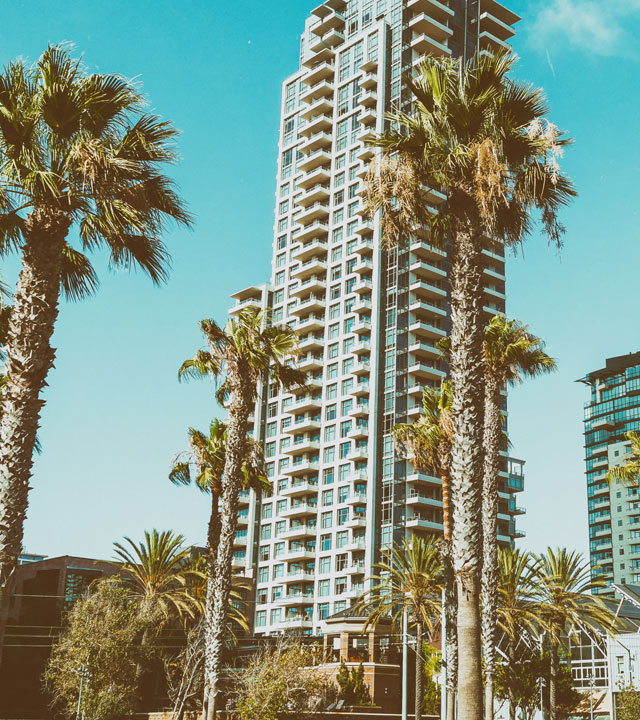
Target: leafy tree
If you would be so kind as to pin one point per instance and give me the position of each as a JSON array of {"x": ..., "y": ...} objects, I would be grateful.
[
  {"x": 353, "y": 688},
  {"x": 76, "y": 151},
  {"x": 511, "y": 353},
  {"x": 482, "y": 137},
  {"x": 563, "y": 603},
  {"x": 240, "y": 355},
  {"x": 432, "y": 666},
  {"x": 409, "y": 579},
  {"x": 102, "y": 636},
  {"x": 627, "y": 701},
  {"x": 427, "y": 444},
  {"x": 345, "y": 682},
  {"x": 280, "y": 681}
]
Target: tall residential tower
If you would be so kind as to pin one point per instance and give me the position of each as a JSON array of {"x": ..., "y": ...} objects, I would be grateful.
[
  {"x": 368, "y": 319},
  {"x": 614, "y": 511}
]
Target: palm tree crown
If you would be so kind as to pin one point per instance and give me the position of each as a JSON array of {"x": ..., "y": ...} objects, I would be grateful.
[
  {"x": 629, "y": 472},
  {"x": 78, "y": 148}
]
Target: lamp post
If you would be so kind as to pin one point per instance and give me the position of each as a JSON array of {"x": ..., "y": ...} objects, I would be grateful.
[{"x": 405, "y": 662}]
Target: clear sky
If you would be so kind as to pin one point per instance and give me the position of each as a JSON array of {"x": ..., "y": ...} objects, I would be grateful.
[{"x": 115, "y": 413}]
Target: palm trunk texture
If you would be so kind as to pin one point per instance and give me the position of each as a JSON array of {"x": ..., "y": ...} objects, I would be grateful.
[
  {"x": 419, "y": 687},
  {"x": 492, "y": 442},
  {"x": 511, "y": 670},
  {"x": 467, "y": 376},
  {"x": 450, "y": 602},
  {"x": 213, "y": 537},
  {"x": 219, "y": 586},
  {"x": 552, "y": 681},
  {"x": 29, "y": 359}
]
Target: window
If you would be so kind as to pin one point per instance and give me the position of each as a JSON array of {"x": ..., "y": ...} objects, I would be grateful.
[
  {"x": 334, "y": 331},
  {"x": 327, "y": 476},
  {"x": 266, "y": 511},
  {"x": 342, "y": 538},
  {"x": 269, "y": 449},
  {"x": 332, "y": 351},
  {"x": 340, "y": 585},
  {"x": 323, "y": 611},
  {"x": 325, "y": 565},
  {"x": 325, "y": 542},
  {"x": 264, "y": 553},
  {"x": 334, "y": 312},
  {"x": 261, "y": 618},
  {"x": 327, "y": 520},
  {"x": 263, "y": 574},
  {"x": 278, "y": 571},
  {"x": 336, "y": 254},
  {"x": 276, "y": 593},
  {"x": 343, "y": 516},
  {"x": 330, "y": 433},
  {"x": 338, "y": 197},
  {"x": 276, "y": 615},
  {"x": 343, "y": 493},
  {"x": 278, "y": 529},
  {"x": 330, "y": 413},
  {"x": 281, "y": 506},
  {"x": 261, "y": 597},
  {"x": 323, "y": 588},
  {"x": 265, "y": 532},
  {"x": 327, "y": 498},
  {"x": 329, "y": 454},
  {"x": 339, "y": 179},
  {"x": 279, "y": 278}
]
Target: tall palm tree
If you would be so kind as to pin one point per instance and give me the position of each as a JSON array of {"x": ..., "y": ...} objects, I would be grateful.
[
  {"x": 408, "y": 580},
  {"x": 629, "y": 472},
  {"x": 564, "y": 581},
  {"x": 482, "y": 137},
  {"x": 517, "y": 611},
  {"x": 511, "y": 353},
  {"x": 427, "y": 444},
  {"x": 238, "y": 356},
  {"x": 76, "y": 152}
]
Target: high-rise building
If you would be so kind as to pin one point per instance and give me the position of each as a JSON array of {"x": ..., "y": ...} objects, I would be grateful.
[
  {"x": 368, "y": 318},
  {"x": 614, "y": 510}
]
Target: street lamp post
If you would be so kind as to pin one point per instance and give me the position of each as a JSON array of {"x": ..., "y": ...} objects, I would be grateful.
[{"x": 405, "y": 663}]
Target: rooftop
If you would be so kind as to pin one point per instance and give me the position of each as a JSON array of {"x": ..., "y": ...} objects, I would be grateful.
[{"x": 613, "y": 366}]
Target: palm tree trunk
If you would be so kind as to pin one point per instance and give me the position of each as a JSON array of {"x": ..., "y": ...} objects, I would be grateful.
[
  {"x": 219, "y": 586},
  {"x": 553, "y": 674},
  {"x": 213, "y": 537},
  {"x": 419, "y": 689},
  {"x": 511, "y": 654},
  {"x": 492, "y": 442},
  {"x": 467, "y": 376},
  {"x": 450, "y": 603},
  {"x": 29, "y": 359}
]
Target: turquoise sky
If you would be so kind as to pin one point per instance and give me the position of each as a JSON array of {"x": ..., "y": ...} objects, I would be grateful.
[{"x": 115, "y": 413}]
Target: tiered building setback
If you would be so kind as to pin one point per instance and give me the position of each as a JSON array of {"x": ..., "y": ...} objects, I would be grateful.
[{"x": 368, "y": 318}]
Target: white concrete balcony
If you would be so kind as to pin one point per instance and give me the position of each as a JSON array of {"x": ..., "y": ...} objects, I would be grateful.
[
  {"x": 333, "y": 21},
  {"x": 368, "y": 119},
  {"x": 365, "y": 228},
  {"x": 357, "y": 476},
  {"x": 306, "y": 403},
  {"x": 311, "y": 342},
  {"x": 361, "y": 325},
  {"x": 362, "y": 347},
  {"x": 322, "y": 106},
  {"x": 314, "y": 160},
  {"x": 296, "y": 599},
  {"x": 418, "y": 523},
  {"x": 369, "y": 81},
  {"x": 492, "y": 24},
  {"x": 321, "y": 89},
  {"x": 358, "y": 453},
  {"x": 299, "y": 488},
  {"x": 362, "y": 390},
  {"x": 367, "y": 135},
  {"x": 356, "y": 499},
  {"x": 359, "y": 520},
  {"x": 425, "y": 370},
  {"x": 324, "y": 54},
  {"x": 361, "y": 368},
  {"x": 313, "y": 266},
  {"x": 426, "y": 290},
  {"x": 296, "y": 623},
  {"x": 299, "y": 553},
  {"x": 320, "y": 192},
  {"x": 331, "y": 38},
  {"x": 311, "y": 361},
  {"x": 299, "y": 576},
  {"x": 424, "y": 351},
  {"x": 312, "y": 302},
  {"x": 238, "y": 562},
  {"x": 303, "y": 446},
  {"x": 499, "y": 11},
  {"x": 252, "y": 303},
  {"x": 368, "y": 98},
  {"x": 311, "y": 323},
  {"x": 299, "y": 531},
  {"x": 606, "y": 422},
  {"x": 317, "y": 141},
  {"x": 359, "y": 432},
  {"x": 422, "y": 478},
  {"x": 366, "y": 152},
  {"x": 427, "y": 271},
  {"x": 240, "y": 540},
  {"x": 324, "y": 70},
  {"x": 319, "y": 176},
  {"x": 317, "y": 229},
  {"x": 417, "y": 498},
  {"x": 364, "y": 248},
  {"x": 317, "y": 212},
  {"x": 426, "y": 251},
  {"x": 357, "y": 568},
  {"x": 363, "y": 286},
  {"x": 364, "y": 266},
  {"x": 315, "y": 285},
  {"x": 426, "y": 330},
  {"x": 360, "y": 410},
  {"x": 424, "y": 44},
  {"x": 299, "y": 510},
  {"x": 322, "y": 122},
  {"x": 304, "y": 467},
  {"x": 425, "y": 24},
  {"x": 362, "y": 305},
  {"x": 600, "y": 462},
  {"x": 425, "y": 310},
  {"x": 434, "y": 8},
  {"x": 310, "y": 249},
  {"x": 490, "y": 43}
]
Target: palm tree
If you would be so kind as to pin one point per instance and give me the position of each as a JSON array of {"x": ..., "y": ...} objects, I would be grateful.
[
  {"x": 629, "y": 471},
  {"x": 482, "y": 137},
  {"x": 240, "y": 355},
  {"x": 76, "y": 150},
  {"x": 154, "y": 572},
  {"x": 511, "y": 354},
  {"x": 564, "y": 579},
  {"x": 427, "y": 444},
  {"x": 408, "y": 580},
  {"x": 516, "y": 611}
]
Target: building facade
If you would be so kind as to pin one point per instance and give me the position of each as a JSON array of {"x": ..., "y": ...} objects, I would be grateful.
[
  {"x": 614, "y": 511},
  {"x": 368, "y": 319}
]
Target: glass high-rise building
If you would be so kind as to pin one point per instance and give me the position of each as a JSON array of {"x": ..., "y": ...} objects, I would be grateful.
[
  {"x": 368, "y": 318},
  {"x": 614, "y": 511}
]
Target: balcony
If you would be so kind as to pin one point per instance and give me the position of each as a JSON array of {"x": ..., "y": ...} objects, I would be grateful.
[
  {"x": 298, "y": 576},
  {"x": 364, "y": 267},
  {"x": 321, "y": 122},
  {"x": 359, "y": 520},
  {"x": 356, "y": 499},
  {"x": 368, "y": 118},
  {"x": 299, "y": 598},
  {"x": 316, "y": 284},
  {"x": 359, "y": 432},
  {"x": 322, "y": 89},
  {"x": 322, "y": 106},
  {"x": 319, "y": 192},
  {"x": 358, "y": 453},
  {"x": 303, "y": 446},
  {"x": 424, "y": 309},
  {"x": 253, "y": 303},
  {"x": 427, "y": 290},
  {"x": 369, "y": 81},
  {"x": 424, "y": 44},
  {"x": 301, "y": 622},
  {"x": 321, "y": 71},
  {"x": 359, "y": 410},
  {"x": 362, "y": 305},
  {"x": 424, "y": 370},
  {"x": 317, "y": 230},
  {"x": 425, "y": 251},
  {"x": 333, "y": 21},
  {"x": 417, "y": 498},
  {"x": 314, "y": 160},
  {"x": 330, "y": 39},
  {"x": 364, "y": 247},
  {"x": 365, "y": 228},
  {"x": 424, "y": 351},
  {"x": 311, "y": 342},
  {"x": 366, "y": 152},
  {"x": 357, "y": 568},
  {"x": 425, "y": 24},
  {"x": 310, "y": 249},
  {"x": 310, "y": 362},
  {"x": 490, "y": 43},
  {"x": 355, "y": 545},
  {"x": 418, "y": 523},
  {"x": 426, "y": 330},
  {"x": 313, "y": 266},
  {"x": 427, "y": 271},
  {"x": 299, "y": 553},
  {"x": 299, "y": 510},
  {"x": 312, "y": 302},
  {"x": 434, "y": 8},
  {"x": 491, "y": 24},
  {"x": 363, "y": 347},
  {"x": 311, "y": 323},
  {"x": 319, "y": 176},
  {"x": 316, "y": 141},
  {"x": 304, "y": 467},
  {"x": 299, "y": 531},
  {"x": 363, "y": 286},
  {"x": 361, "y": 325},
  {"x": 362, "y": 367},
  {"x": 369, "y": 98},
  {"x": 316, "y": 213},
  {"x": 301, "y": 487}
]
